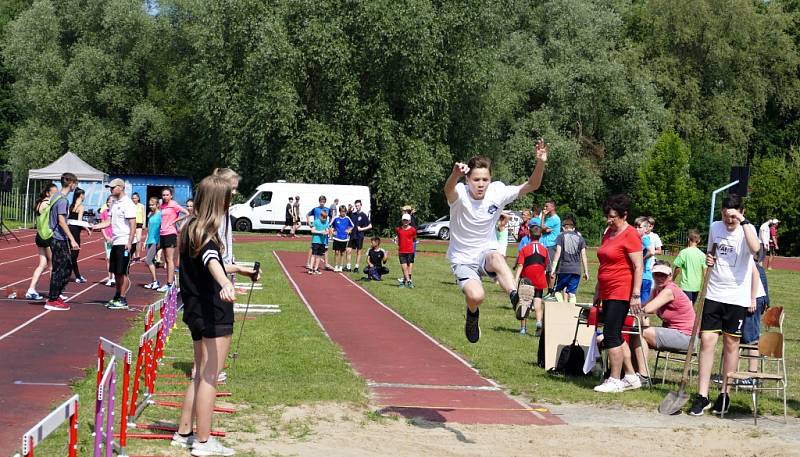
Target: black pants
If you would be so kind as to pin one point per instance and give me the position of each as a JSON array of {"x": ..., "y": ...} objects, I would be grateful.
[
  {"x": 76, "y": 233},
  {"x": 614, "y": 314},
  {"x": 62, "y": 268}
]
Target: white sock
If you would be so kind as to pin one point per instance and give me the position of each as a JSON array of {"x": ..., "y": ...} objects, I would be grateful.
[{"x": 348, "y": 265}]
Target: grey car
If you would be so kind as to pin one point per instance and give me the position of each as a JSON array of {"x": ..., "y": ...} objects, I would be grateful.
[{"x": 440, "y": 228}]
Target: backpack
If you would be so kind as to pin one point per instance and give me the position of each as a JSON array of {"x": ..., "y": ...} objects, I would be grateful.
[
  {"x": 570, "y": 360},
  {"x": 43, "y": 228}
]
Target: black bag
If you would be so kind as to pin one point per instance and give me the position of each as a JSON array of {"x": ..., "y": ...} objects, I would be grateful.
[
  {"x": 570, "y": 360},
  {"x": 540, "y": 350}
]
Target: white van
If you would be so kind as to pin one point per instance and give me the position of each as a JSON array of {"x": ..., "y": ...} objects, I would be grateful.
[{"x": 266, "y": 208}]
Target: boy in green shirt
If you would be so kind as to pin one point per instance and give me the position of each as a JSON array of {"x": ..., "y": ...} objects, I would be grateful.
[{"x": 691, "y": 262}]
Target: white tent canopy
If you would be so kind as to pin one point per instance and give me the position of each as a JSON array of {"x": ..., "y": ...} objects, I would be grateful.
[{"x": 68, "y": 163}]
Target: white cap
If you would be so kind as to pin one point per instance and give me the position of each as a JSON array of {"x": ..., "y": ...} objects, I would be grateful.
[
  {"x": 406, "y": 217},
  {"x": 775, "y": 221}
]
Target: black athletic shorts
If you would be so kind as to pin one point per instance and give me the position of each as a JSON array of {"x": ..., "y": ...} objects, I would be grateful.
[
  {"x": 406, "y": 258},
  {"x": 118, "y": 262},
  {"x": 169, "y": 241},
  {"x": 208, "y": 319},
  {"x": 43, "y": 243},
  {"x": 538, "y": 293},
  {"x": 318, "y": 249},
  {"x": 355, "y": 243},
  {"x": 289, "y": 221},
  {"x": 339, "y": 245},
  {"x": 723, "y": 317},
  {"x": 139, "y": 225}
]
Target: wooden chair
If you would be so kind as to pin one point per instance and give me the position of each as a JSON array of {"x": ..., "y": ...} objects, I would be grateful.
[
  {"x": 673, "y": 356},
  {"x": 771, "y": 352}
]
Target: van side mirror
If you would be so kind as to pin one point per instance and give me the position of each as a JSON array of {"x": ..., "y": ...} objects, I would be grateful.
[{"x": 253, "y": 203}]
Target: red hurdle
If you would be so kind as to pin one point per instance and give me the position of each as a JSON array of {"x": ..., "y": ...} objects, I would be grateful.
[{"x": 66, "y": 411}]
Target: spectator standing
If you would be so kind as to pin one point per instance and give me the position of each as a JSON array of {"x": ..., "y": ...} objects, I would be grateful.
[
  {"x": 551, "y": 228},
  {"x": 569, "y": 256},
  {"x": 123, "y": 229},
  {"x": 61, "y": 244},
  {"x": 76, "y": 215},
  {"x": 647, "y": 253},
  {"x": 475, "y": 207},
  {"x": 764, "y": 238},
  {"x": 105, "y": 215},
  {"x": 170, "y": 213},
  {"x": 140, "y": 214},
  {"x": 773, "y": 242},
  {"x": 619, "y": 282},
  {"x": 289, "y": 218},
  {"x": 361, "y": 224},
  {"x": 406, "y": 236},
  {"x": 502, "y": 233},
  {"x": 42, "y": 245},
  {"x": 531, "y": 263},
  {"x": 320, "y": 229},
  {"x": 691, "y": 264},
  {"x": 655, "y": 240},
  {"x": 296, "y": 215},
  {"x": 151, "y": 243},
  {"x": 342, "y": 227},
  {"x": 728, "y": 296},
  {"x": 524, "y": 231},
  {"x": 675, "y": 309},
  {"x": 312, "y": 216},
  {"x": 536, "y": 216}
]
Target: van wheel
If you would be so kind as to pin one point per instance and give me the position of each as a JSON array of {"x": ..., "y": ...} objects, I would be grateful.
[
  {"x": 243, "y": 225},
  {"x": 444, "y": 233}
]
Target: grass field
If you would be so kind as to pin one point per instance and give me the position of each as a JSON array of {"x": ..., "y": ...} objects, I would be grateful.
[{"x": 287, "y": 360}]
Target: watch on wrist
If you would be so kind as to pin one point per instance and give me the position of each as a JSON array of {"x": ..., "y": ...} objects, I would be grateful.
[{"x": 636, "y": 296}]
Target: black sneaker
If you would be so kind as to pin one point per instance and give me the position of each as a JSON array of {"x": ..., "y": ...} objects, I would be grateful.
[
  {"x": 699, "y": 405},
  {"x": 514, "y": 296},
  {"x": 355, "y": 270},
  {"x": 471, "y": 328},
  {"x": 722, "y": 405}
]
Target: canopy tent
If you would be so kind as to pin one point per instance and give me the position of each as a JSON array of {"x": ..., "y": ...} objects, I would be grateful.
[{"x": 69, "y": 162}]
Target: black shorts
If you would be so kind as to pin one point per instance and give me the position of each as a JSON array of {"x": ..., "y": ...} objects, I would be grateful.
[
  {"x": 406, "y": 258},
  {"x": 139, "y": 225},
  {"x": 318, "y": 249},
  {"x": 209, "y": 320},
  {"x": 355, "y": 243},
  {"x": 118, "y": 262},
  {"x": 289, "y": 222},
  {"x": 538, "y": 293},
  {"x": 614, "y": 314},
  {"x": 169, "y": 241},
  {"x": 43, "y": 243},
  {"x": 723, "y": 317},
  {"x": 339, "y": 245}
]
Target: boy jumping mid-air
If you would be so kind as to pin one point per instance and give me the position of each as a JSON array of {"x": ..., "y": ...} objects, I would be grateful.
[{"x": 475, "y": 208}]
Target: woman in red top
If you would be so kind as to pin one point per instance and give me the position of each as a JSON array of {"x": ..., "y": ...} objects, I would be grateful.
[{"x": 619, "y": 282}]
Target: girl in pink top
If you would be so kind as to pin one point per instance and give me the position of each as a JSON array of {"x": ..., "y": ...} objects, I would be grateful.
[
  {"x": 170, "y": 213},
  {"x": 674, "y": 308}
]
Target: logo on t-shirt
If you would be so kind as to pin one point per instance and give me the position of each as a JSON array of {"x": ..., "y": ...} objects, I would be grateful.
[
  {"x": 493, "y": 209},
  {"x": 726, "y": 254}
]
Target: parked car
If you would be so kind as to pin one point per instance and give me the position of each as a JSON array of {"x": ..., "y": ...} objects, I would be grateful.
[{"x": 440, "y": 228}]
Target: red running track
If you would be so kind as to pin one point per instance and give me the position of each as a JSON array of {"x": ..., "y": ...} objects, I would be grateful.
[
  {"x": 407, "y": 371},
  {"x": 42, "y": 351}
]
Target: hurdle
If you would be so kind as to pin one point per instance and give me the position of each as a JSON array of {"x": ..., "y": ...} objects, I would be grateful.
[
  {"x": 66, "y": 411},
  {"x": 104, "y": 413},
  {"x": 117, "y": 352},
  {"x": 146, "y": 363}
]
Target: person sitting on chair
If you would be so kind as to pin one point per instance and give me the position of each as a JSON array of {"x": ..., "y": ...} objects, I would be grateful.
[{"x": 674, "y": 307}]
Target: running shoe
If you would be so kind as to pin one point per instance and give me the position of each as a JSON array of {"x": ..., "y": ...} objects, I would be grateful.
[
  {"x": 62, "y": 297},
  {"x": 347, "y": 268},
  {"x": 56, "y": 305},
  {"x": 182, "y": 441},
  {"x": 550, "y": 297},
  {"x": 355, "y": 270},
  {"x": 699, "y": 405},
  {"x": 80, "y": 280},
  {"x": 471, "y": 327},
  {"x": 33, "y": 295},
  {"x": 748, "y": 383},
  {"x": 514, "y": 297},
  {"x": 722, "y": 405},
  {"x": 645, "y": 380},
  {"x": 111, "y": 283},
  {"x": 610, "y": 385},
  {"x": 120, "y": 303},
  {"x": 153, "y": 285},
  {"x": 523, "y": 331},
  {"x": 402, "y": 284},
  {"x": 524, "y": 295},
  {"x": 538, "y": 329},
  {"x": 410, "y": 284},
  {"x": 163, "y": 288},
  {"x": 222, "y": 376},
  {"x": 211, "y": 447},
  {"x": 317, "y": 272},
  {"x": 631, "y": 381}
]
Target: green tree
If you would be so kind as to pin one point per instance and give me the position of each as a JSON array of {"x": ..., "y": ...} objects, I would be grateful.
[
  {"x": 665, "y": 189},
  {"x": 773, "y": 183}
]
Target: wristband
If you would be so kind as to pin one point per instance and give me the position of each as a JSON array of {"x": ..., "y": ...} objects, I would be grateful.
[{"x": 636, "y": 296}]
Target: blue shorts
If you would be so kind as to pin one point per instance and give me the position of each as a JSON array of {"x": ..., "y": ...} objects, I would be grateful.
[
  {"x": 568, "y": 281},
  {"x": 647, "y": 286},
  {"x": 751, "y": 328}
]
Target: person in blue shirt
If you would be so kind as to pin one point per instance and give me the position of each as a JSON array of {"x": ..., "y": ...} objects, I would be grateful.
[
  {"x": 153, "y": 237},
  {"x": 642, "y": 225},
  {"x": 313, "y": 215},
  {"x": 551, "y": 228},
  {"x": 342, "y": 226},
  {"x": 320, "y": 229}
]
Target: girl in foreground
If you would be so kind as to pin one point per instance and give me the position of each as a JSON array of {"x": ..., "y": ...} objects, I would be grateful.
[{"x": 208, "y": 297}]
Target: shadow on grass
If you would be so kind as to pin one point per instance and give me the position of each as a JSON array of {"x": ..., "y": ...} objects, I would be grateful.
[{"x": 185, "y": 367}]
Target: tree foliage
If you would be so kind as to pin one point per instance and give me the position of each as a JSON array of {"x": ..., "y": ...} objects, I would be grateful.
[{"x": 389, "y": 94}]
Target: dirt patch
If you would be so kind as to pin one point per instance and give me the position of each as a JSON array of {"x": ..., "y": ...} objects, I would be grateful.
[{"x": 345, "y": 430}]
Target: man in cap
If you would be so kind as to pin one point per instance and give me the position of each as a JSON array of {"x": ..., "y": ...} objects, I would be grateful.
[{"x": 123, "y": 229}]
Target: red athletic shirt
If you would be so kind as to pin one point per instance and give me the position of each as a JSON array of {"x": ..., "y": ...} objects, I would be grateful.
[
  {"x": 405, "y": 239},
  {"x": 533, "y": 257},
  {"x": 616, "y": 269}
]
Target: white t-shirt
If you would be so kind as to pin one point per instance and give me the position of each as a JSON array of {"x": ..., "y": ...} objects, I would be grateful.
[
  {"x": 655, "y": 242},
  {"x": 731, "y": 277},
  {"x": 473, "y": 222},
  {"x": 226, "y": 235},
  {"x": 121, "y": 211},
  {"x": 763, "y": 234}
]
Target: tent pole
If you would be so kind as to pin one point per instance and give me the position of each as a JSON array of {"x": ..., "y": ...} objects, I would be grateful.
[{"x": 27, "y": 191}]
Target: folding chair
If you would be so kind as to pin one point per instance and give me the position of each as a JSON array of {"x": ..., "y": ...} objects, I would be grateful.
[
  {"x": 673, "y": 356},
  {"x": 771, "y": 351}
]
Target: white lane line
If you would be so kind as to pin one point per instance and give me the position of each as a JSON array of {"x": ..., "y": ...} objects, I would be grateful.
[
  {"x": 302, "y": 297},
  {"x": 43, "y": 313},
  {"x": 36, "y": 255},
  {"x": 48, "y": 272},
  {"x": 395, "y": 385},
  {"x": 25, "y": 383}
]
